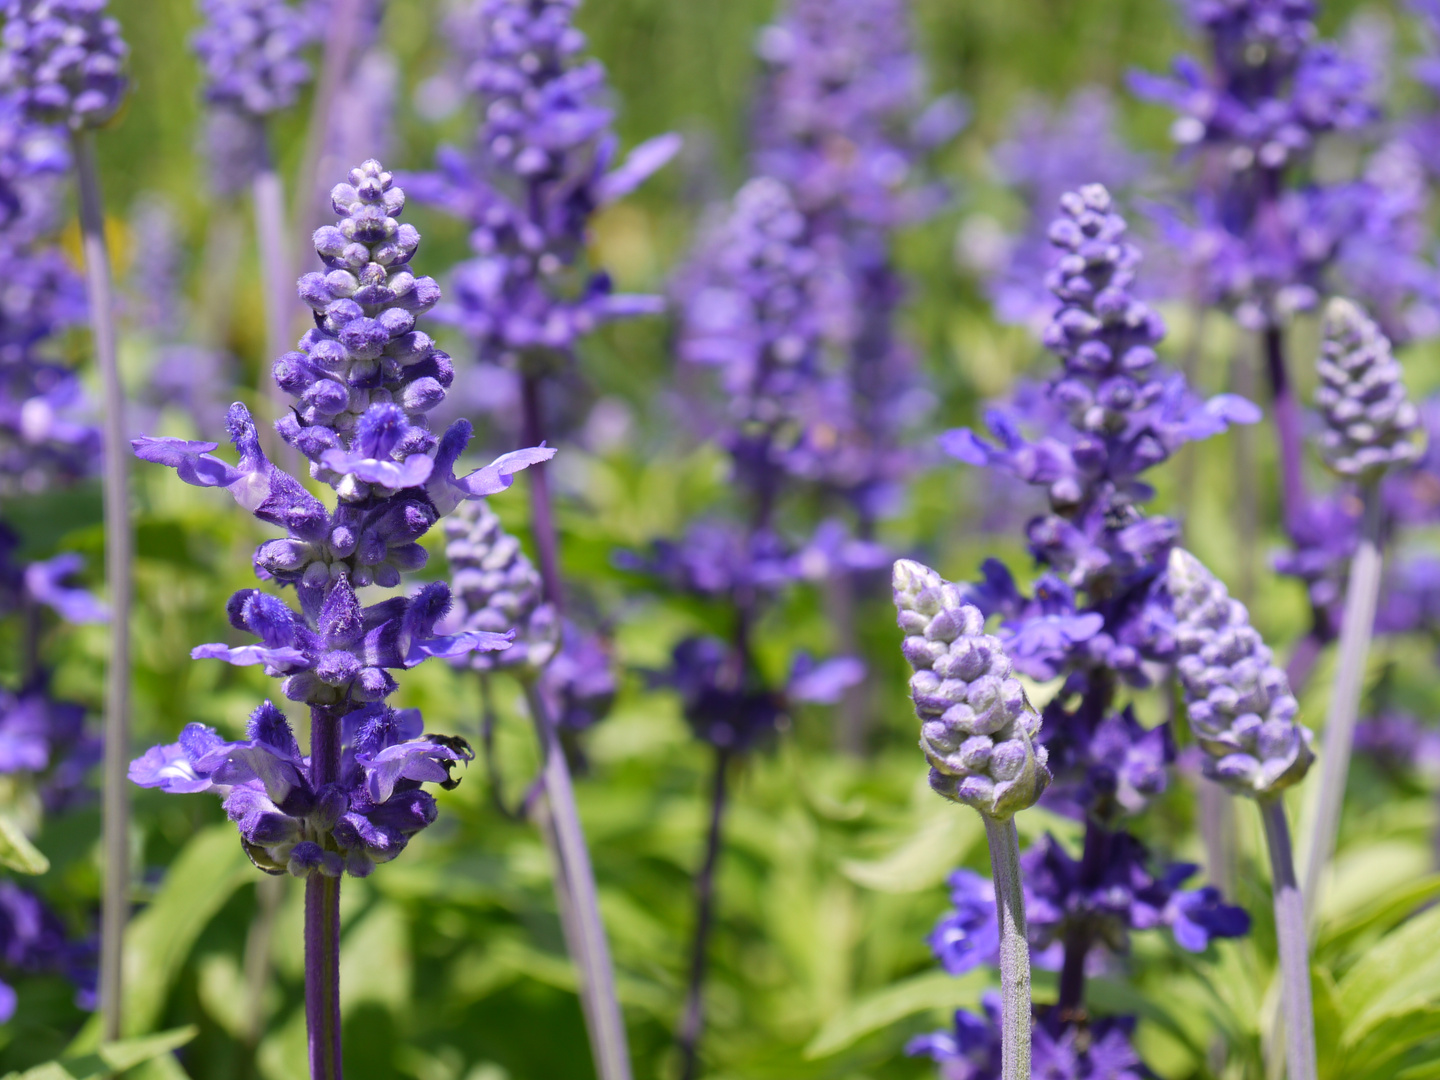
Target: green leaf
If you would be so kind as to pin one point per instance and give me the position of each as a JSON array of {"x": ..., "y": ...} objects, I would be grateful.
[
  {"x": 1396, "y": 974},
  {"x": 1378, "y": 916},
  {"x": 922, "y": 993},
  {"x": 1374, "y": 1056},
  {"x": 202, "y": 878},
  {"x": 924, "y": 860},
  {"x": 110, "y": 1058},
  {"x": 17, "y": 852}
]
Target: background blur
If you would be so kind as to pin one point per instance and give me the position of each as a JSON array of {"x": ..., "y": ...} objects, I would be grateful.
[{"x": 454, "y": 967}]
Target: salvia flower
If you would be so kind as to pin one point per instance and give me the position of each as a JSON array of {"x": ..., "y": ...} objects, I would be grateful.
[
  {"x": 253, "y": 53},
  {"x": 64, "y": 60},
  {"x": 288, "y": 824},
  {"x": 364, "y": 379},
  {"x": 1370, "y": 422},
  {"x": 978, "y": 729},
  {"x": 33, "y": 941},
  {"x": 540, "y": 167},
  {"x": 1239, "y": 703}
]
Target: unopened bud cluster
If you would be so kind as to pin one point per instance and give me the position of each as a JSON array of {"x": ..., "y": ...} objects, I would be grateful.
[
  {"x": 1239, "y": 703},
  {"x": 1370, "y": 421},
  {"x": 978, "y": 728},
  {"x": 497, "y": 589}
]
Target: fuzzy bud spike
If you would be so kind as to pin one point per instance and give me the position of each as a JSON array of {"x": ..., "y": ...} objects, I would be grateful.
[
  {"x": 1370, "y": 422},
  {"x": 978, "y": 729},
  {"x": 1240, "y": 706}
]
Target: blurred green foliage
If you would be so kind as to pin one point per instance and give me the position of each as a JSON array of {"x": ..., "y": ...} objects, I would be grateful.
[{"x": 453, "y": 964}]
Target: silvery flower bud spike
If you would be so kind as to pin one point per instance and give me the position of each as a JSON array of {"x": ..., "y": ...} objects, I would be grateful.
[
  {"x": 1243, "y": 715},
  {"x": 1371, "y": 425},
  {"x": 1370, "y": 421},
  {"x": 978, "y": 732}
]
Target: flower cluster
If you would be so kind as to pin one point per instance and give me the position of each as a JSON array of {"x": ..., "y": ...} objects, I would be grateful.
[
  {"x": 1238, "y": 702},
  {"x": 1370, "y": 422},
  {"x": 844, "y": 116},
  {"x": 1098, "y": 618},
  {"x": 63, "y": 60},
  {"x": 1110, "y": 415},
  {"x": 540, "y": 167},
  {"x": 978, "y": 729},
  {"x": 1261, "y": 231},
  {"x": 364, "y": 379},
  {"x": 767, "y": 303},
  {"x": 1039, "y": 161},
  {"x": 287, "y": 821},
  {"x": 843, "y": 124},
  {"x": 253, "y": 53}
]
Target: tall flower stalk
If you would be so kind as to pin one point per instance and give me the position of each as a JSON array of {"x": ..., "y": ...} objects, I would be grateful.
[
  {"x": 363, "y": 380},
  {"x": 843, "y": 119},
  {"x": 1242, "y": 714},
  {"x": 1110, "y": 414},
  {"x": 978, "y": 732},
  {"x": 762, "y": 300},
  {"x": 252, "y": 51},
  {"x": 540, "y": 167},
  {"x": 63, "y": 61},
  {"x": 1370, "y": 427}
]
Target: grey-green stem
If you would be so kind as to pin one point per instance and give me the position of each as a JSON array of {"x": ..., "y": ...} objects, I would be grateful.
[
  {"x": 590, "y": 947},
  {"x": 1362, "y": 594},
  {"x": 115, "y": 903},
  {"x": 1294, "y": 950},
  {"x": 1014, "y": 948}
]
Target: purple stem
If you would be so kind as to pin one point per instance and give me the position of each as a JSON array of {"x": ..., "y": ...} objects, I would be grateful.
[
  {"x": 542, "y": 514},
  {"x": 580, "y": 903},
  {"x": 693, "y": 1022},
  {"x": 1357, "y": 625},
  {"x": 1294, "y": 952},
  {"x": 119, "y": 541},
  {"x": 1287, "y": 428},
  {"x": 1014, "y": 948},
  {"x": 322, "y": 916},
  {"x": 1302, "y": 661},
  {"x": 1078, "y": 940}
]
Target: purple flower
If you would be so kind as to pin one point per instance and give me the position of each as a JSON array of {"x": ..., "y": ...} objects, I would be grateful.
[
  {"x": 721, "y": 696},
  {"x": 970, "y": 1049},
  {"x": 967, "y": 935},
  {"x": 63, "y": 60},
  {"x": 33, "y": 941},
  {"x": 285, "y": 823},
  {"x": 253, "y": 53},
  {"x": 543, "y": 161},
  {"x": 579, "y": 683},
  {"x": 364, "y": 379}
]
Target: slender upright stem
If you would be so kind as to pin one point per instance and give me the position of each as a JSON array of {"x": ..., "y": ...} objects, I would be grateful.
[
  {"x": 1287, "y": 427},
  {"x": 1301, "y": 664},
  {"x": 1362, "y": 594},
  {"x": 1294, "y": 952},
  {"x": 1094, "y": 861},
  {"x": 119, "y": 541},
  {"x": 1217, "y": 829},
  {"x": 276, "y": 284},
  {"x": 693, "y": 1021},
  {"x": 322, "y": 917},
  {"x": 591, "y": 950},
  {"x": 1014, "y": 948},
  {"x": 542, "y": 513}
]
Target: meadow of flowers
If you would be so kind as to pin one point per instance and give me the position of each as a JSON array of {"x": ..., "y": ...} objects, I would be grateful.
[{"x": 636, "y": 424}]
